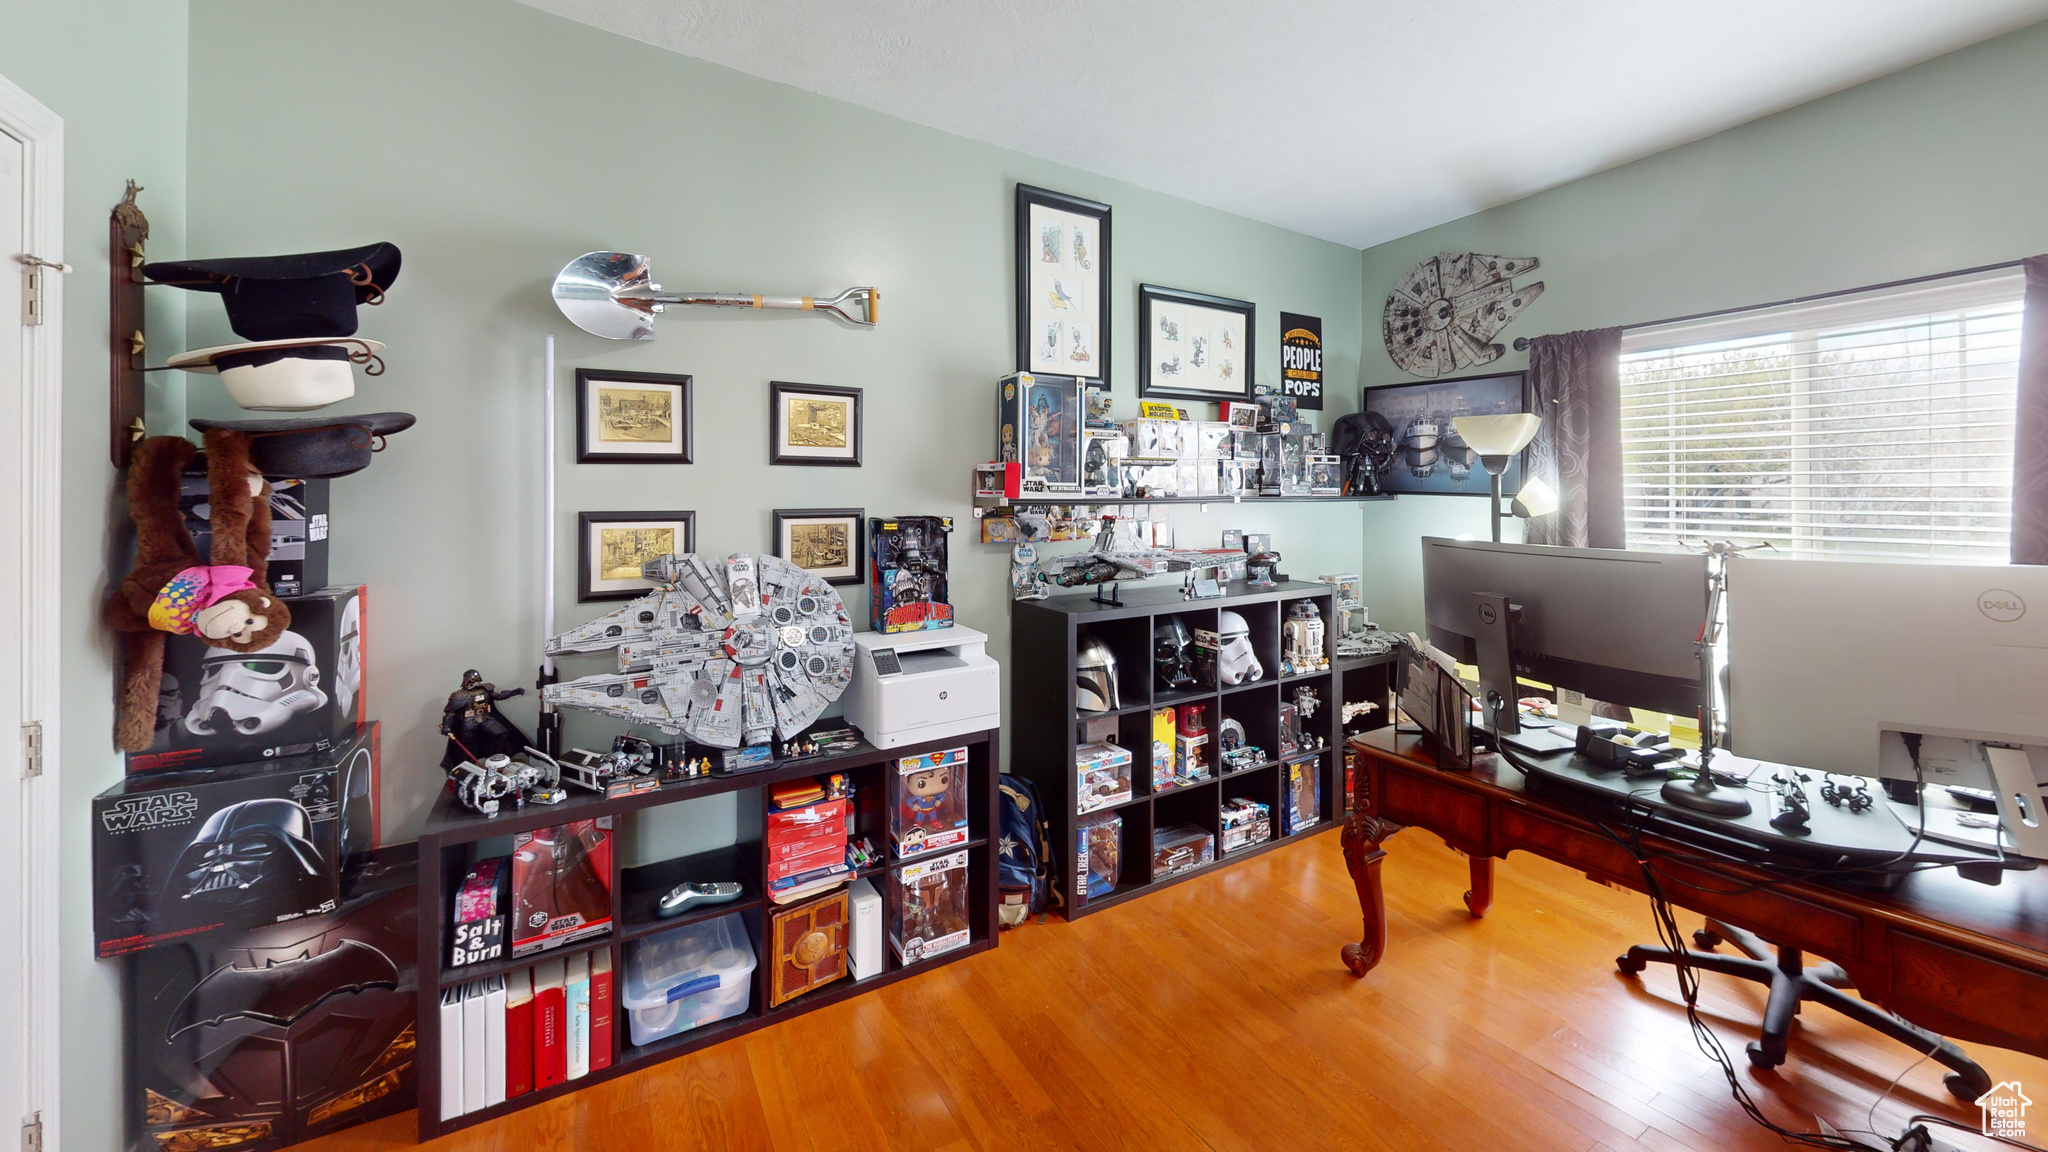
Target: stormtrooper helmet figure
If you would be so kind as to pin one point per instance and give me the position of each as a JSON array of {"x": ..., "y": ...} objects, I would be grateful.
[
  {"x": 250, "y": 693},
  {"x": 1095, "y": 676},
  {"x": 1236, "y": 663}
]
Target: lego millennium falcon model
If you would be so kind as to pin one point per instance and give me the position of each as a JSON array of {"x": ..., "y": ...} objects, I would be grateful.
[{"x": 728, "y": 652}]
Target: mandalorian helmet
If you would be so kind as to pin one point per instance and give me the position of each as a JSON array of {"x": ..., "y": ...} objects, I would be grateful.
[
  {"x": 1170, "y": 660},
  {"x": 244, "y": 853},
  {"x": 1095, "y": 676},
  {"x": 1236, "y": 663},
  {"x": 251, "y": 693}
]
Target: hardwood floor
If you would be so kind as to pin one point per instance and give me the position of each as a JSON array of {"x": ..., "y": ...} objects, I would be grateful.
[{"x": 1216, "y": 1015}]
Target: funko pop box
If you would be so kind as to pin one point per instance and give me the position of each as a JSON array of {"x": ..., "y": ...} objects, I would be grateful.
[
  {"x": 928, "y": 808},
  {"x": 262, "y": 1038},
  {"x": 175, "y": 854},
  {"x": 299, "y": 695}
]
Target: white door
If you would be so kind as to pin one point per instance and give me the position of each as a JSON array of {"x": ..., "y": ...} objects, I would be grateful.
[{"x": 14, "y": 1023}]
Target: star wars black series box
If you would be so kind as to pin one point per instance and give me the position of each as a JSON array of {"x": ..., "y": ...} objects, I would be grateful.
[
  {"x": 175, "y": 854},
  {"x": 266, "y": 1037},
  {"x": 298, "y": 528},
  {"x": 301, "y": 694}
]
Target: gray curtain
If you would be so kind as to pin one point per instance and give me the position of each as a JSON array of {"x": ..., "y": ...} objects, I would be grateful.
[
  {"x": 2030, "y": 432},
  {"x": 1575, "y": 379}
]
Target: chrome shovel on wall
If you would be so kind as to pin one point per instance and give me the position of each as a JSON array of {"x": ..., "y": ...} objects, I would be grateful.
[{"x": 612, "y": 294}]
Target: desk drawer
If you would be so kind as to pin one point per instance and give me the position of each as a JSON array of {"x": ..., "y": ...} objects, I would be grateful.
[
  {"x": 1456, "y": 815},
  {"x": 1967, "y": 987}
]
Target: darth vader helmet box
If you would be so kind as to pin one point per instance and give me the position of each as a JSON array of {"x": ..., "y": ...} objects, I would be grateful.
[
  {"x": 300, "y": 695},
  {"x": 266, "y": 1037},
  {"x": 179, "y": 853},
  {"x": 907, "y": 573}
]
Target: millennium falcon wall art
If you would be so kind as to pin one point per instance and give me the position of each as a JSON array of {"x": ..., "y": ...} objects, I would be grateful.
[
  {"x": 740, "y": 650},
  {"x": 1444, "y": 314}
]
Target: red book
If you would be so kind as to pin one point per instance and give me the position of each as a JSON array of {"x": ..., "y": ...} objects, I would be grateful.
[
  {"x": 518, "y": 1032},
  {"x": 783, "y": 845},
  {"x": 828, "y": 853},
  {"x": 800, "y": 820},
  {"x": 600, "y": 1009},
  {"x": 550, "y": 1025}
]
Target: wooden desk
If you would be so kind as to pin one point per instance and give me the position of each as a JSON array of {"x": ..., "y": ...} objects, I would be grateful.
[{"x": 1958, "y": 958}]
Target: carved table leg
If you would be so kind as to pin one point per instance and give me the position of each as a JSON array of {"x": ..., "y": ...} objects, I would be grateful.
[
  {"x": 1362, "y": 855},
  {"x": 1480, "y": 897}
]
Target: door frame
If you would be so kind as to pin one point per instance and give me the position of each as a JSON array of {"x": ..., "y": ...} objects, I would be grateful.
[{"x": 38, "y": 444}]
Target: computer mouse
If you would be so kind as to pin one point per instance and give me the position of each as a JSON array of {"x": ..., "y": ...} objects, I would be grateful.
[{"x": 683, "y": 897}]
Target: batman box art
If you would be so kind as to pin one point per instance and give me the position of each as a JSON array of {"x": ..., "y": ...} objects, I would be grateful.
[
  {"x": 179, "y": 853},
  {"x": 258, "y": 1039}
]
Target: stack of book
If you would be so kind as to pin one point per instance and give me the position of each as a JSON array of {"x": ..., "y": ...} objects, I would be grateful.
[
  {"x": 532, "y": 1028},
  {"x": 808, "y": 824}
]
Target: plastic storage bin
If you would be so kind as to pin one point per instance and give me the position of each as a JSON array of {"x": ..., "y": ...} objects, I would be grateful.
[{"x": 696, "y": 975}]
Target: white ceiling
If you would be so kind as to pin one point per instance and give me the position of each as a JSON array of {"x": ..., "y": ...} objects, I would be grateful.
[{"x": 1353, "y": 121}]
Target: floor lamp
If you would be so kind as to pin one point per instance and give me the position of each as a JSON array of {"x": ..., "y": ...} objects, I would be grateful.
[{"x": 1496, "y": 439}]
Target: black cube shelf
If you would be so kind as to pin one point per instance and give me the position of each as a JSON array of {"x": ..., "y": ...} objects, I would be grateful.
[{"x": 1047, "y": 724}]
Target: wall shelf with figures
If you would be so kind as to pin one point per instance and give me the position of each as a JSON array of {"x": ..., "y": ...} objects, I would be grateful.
[{"x": 1305, "y": 791}]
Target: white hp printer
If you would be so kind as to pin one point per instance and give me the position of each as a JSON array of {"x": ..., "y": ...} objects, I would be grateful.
[{"x": 914, "y": 686}]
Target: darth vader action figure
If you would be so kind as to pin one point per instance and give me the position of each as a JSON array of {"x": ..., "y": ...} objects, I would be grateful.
[{"x": 474, "y": 726}]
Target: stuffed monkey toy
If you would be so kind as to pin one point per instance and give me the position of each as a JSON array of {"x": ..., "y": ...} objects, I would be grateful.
[{"x": 224, "y": 604}]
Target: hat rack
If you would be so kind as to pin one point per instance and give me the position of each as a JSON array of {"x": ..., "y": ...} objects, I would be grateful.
[{"x": 128, "y": 234}]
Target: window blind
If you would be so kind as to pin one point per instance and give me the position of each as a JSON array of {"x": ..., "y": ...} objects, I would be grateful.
[{"x": 1876, "y": 428}]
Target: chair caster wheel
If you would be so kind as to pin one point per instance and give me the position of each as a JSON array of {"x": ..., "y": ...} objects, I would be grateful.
[
  {"x": 1706, "y": 939},
  {"x": 1630, "y": 966},
  {"x": 1760, "y": 1059},
  {"x": 1965, "y": 1087}
]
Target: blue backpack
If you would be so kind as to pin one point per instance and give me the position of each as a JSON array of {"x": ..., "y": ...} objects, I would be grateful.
[{"x": 1022, "y": 852}]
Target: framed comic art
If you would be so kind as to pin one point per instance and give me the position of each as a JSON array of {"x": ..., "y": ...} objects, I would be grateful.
[
  {"x": 824, "y": 541},
  {"x": 1062, "y": 285},
  {"x": 611, "y": 546},
  {"x": 1193, "y": 346},
  {"x": 1429, "y": 459},
  {"x": 813, "y": 424},
  {"x": 632, "y": 417}
]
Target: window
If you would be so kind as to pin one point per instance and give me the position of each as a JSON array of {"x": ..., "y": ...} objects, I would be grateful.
[{"x": 1877, "y": 427}]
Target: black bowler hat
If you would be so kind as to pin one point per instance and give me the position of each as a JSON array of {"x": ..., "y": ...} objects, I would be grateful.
[
  {"x": 304, "y": 296},
  {"x": 313, "y": 447}
]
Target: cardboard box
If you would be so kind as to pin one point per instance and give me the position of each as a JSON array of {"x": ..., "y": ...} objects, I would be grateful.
[
  {"x": 561, "y": 885},
  {"x": 180, "y": 853},
  {"x": 266, "y": 1037},
  {"x": 298, "y": 529},
  {"x": 300, "y": 695},
  {"x": 928, "y": 804},
  {"x": 1038, "y": 427},
  {"x": 907, "y": 557}
]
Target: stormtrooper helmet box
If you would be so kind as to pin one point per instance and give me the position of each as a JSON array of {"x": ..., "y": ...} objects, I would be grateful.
[
  {"x": 1038, "y": 428},
  {"x": 262, "y": 1038},
  {"x": 907, "y": 573},
  {"x": 179, "y": 853},
  {"x": 298, "y": 528},
  {"x": 299, "y": 695},
  {"x": 928, "y": 811}
]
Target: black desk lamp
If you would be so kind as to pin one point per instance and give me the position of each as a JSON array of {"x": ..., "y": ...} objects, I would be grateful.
[{"x": 1496, "y": 439}]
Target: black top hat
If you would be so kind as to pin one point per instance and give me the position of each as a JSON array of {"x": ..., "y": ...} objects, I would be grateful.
[
  {"x": 311, "y": 294},
  {"x": 312, "y": 447}
]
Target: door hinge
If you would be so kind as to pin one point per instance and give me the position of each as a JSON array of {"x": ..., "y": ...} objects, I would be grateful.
[
  {"x": 32, "y": 1133},
  {"x": 32, "y": 298},
  {"x": 32, "y": 750}
]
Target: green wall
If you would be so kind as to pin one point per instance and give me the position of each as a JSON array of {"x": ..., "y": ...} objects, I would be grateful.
[
  {"x": 1928, "y": 170},
  {"x": 115, "y": 71},
  {"x": 493, "y": 142}
]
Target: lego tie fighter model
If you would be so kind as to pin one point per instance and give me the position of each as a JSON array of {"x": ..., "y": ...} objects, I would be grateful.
[
  {"x": 732, "y": 652},
  {"x": 613, "y": 295}
]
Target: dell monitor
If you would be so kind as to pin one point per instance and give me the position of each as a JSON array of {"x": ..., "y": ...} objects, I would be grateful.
[{"x": 1622, "y": 627}]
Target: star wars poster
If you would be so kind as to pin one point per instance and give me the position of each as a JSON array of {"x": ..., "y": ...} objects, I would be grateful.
[{"x": 1301, "y": 359}]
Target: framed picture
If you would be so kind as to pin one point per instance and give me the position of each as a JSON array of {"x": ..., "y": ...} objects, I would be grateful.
[
  {"x": 1429, "y": 459},
  {"x": 632, "y": 417},
  {"x": 611, "y": 546},
  {"x": 825, "y": 541},
  {"x": 1062, "y": 277},
  {"x": 1194, "y": 347},
  {"x": 813, "y": 424}
]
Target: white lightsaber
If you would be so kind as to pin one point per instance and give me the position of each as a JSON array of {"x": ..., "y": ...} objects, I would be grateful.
[{"x": 547, "y": 479}]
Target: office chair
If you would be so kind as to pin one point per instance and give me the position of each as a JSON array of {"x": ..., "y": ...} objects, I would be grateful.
[{"x": 1791, "y": 984}]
